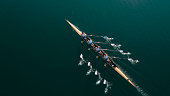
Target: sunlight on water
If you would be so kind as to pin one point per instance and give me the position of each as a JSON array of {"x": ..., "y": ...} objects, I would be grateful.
[{"x": 135, "y": 3}]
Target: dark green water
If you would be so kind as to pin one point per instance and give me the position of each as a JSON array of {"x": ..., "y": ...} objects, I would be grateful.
[{"x": 40, "y": 52}]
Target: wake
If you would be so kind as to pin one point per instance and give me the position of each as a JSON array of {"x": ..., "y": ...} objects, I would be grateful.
[
  {"x": 91, "y": 70},
  {"x": 102, "y": 80}
]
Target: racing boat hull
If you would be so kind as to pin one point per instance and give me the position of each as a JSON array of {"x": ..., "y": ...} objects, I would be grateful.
[{"x": 112, "y": 65}]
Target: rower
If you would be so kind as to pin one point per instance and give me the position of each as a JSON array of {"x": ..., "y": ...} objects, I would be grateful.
[
  {"x": 98, "y": 50},
  {"x": 106, "y": 58},
  {"x": 90, "y": 42},
  {"x": 83, "y": 35}
]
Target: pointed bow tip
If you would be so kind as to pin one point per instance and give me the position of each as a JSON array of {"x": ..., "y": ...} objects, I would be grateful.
[{"x": 66, "y": 20}]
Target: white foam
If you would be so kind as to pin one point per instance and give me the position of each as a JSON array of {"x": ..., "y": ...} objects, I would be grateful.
[
  {"x": 98, "y": 82},
  {"x": 141, "y": 91},
  {"x": 104, "y": 82},
  {"x": 106, "y": 90},
  {"x": 81, "y": 56},
  {"x": 88, "y": 72},
  {"x": 89, "y": 64},
  {"x": 121, "y": 51},
  {"x": 108, "y": 86},
  {"x": 80, "y": 63},
  {"x": 96, "y": 72}
]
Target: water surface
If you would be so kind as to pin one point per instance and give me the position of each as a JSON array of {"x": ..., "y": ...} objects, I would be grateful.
[{"x": 40, "y": 52}]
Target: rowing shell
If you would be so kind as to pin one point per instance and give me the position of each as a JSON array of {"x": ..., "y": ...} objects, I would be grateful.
[{"x": 114, "y": 67}]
